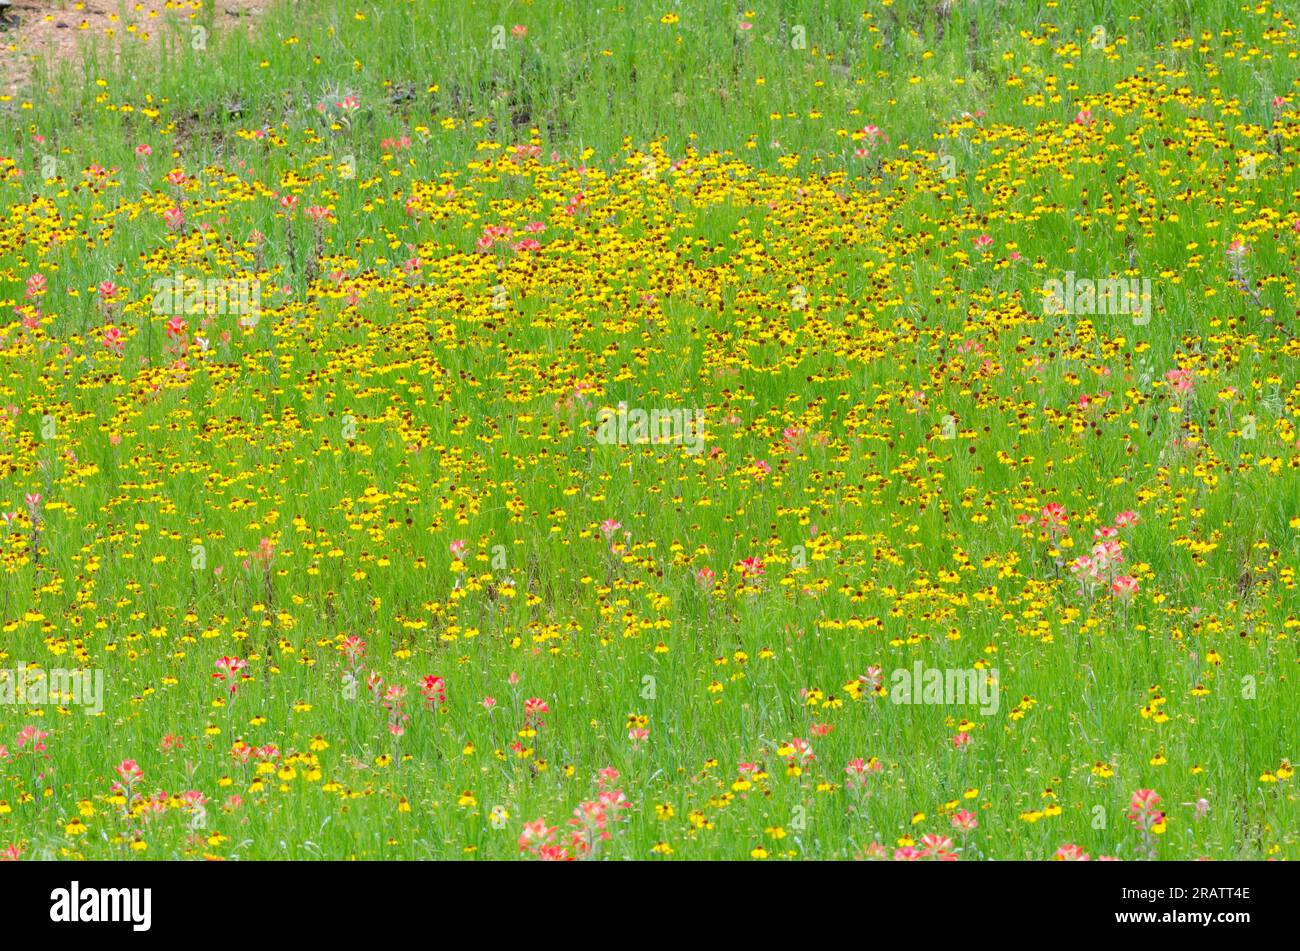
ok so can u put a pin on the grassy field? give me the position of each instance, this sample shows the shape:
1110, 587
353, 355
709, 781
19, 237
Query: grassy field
546, 430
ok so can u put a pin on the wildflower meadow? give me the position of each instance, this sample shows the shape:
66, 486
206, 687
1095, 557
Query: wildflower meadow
654, 430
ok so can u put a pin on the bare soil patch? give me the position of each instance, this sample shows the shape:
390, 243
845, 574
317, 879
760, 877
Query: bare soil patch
54, 31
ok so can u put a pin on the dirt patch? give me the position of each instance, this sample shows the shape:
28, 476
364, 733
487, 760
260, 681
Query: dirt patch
53, 31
